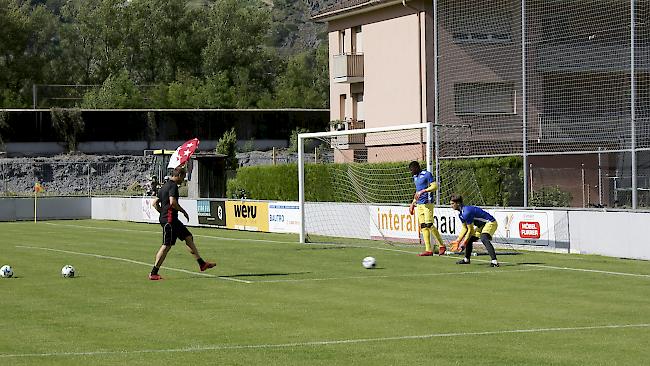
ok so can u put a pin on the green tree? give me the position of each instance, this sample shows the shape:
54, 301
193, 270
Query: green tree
227, 145
237, 31
302, 85
69, 124
117, 91
27, 44
161, 44
80, 40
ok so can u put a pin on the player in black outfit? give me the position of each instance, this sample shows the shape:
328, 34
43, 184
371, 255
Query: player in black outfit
167, 204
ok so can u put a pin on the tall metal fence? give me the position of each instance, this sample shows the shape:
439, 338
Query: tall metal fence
563, 84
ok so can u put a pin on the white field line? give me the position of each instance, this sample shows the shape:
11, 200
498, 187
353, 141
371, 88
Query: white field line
131, 261
217, 347
377, 248
233, 239
404, 275
590, 270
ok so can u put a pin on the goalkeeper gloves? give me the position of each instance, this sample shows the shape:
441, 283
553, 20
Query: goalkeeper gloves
457, 245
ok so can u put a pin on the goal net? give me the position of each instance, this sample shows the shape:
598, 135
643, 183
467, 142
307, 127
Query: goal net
357, 185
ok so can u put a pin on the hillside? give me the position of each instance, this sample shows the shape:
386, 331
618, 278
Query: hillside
295, 31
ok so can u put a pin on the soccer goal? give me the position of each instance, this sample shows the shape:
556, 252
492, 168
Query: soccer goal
355, 184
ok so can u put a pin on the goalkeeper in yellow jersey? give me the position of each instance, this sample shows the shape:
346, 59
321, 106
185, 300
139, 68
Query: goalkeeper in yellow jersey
425, 185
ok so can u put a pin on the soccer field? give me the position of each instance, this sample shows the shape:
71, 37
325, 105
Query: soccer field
272, 301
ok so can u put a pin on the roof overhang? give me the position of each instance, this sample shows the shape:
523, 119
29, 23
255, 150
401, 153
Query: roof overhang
371, 5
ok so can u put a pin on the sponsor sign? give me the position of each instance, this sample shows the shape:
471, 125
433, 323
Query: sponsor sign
211, 212
245, 215
523, 227
395, 223
284, 217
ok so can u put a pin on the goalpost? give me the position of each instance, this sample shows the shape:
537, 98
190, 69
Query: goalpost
351, 147
355, 183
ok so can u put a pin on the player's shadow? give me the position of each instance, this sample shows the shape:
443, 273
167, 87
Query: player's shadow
528, 263
273, 274
322, 248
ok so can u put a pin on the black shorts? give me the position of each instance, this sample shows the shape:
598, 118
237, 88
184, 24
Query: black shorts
174, 230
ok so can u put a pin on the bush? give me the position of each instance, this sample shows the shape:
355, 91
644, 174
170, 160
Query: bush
293, 139
550, 197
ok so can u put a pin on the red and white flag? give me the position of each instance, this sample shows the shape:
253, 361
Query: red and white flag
183, 153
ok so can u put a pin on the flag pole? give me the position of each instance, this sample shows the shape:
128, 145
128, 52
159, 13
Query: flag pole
35, 198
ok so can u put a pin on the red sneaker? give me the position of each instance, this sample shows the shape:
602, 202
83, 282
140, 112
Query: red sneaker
442, 250
425, 254
155, 277
207, 265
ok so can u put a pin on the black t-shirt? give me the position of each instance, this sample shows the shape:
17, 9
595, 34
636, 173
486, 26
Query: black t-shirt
167, 212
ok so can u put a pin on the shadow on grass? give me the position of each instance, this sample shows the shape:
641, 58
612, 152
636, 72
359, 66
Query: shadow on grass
264, 274
322, 248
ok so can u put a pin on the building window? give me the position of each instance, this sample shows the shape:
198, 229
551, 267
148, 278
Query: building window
342, 42
484, 98
483, 22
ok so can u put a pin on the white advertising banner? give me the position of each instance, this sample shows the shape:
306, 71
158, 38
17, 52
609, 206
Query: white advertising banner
284, 217
395, 223
514, 227
524, 227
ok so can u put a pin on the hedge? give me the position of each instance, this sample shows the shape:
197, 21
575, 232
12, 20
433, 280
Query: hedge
499, 181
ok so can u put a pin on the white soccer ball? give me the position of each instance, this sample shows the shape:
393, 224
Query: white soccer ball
6, 271
67, 271
369, 262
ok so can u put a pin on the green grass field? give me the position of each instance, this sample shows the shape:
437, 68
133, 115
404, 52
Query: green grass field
272, 301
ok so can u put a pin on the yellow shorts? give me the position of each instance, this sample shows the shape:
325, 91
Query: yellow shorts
489, 228
425, 213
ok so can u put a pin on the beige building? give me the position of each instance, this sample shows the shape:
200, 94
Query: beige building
577, 87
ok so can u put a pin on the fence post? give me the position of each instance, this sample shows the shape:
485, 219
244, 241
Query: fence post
583, 185
600, 177
88, 180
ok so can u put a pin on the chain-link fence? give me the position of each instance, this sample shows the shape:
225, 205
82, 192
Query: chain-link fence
563, 84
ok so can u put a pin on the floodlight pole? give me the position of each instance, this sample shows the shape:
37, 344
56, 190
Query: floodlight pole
633, 101
524, 110
436, 98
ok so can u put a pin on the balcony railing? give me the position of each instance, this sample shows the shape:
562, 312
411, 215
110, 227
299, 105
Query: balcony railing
348, 68
350, 141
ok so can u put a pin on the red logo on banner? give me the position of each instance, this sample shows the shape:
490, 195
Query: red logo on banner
529, 230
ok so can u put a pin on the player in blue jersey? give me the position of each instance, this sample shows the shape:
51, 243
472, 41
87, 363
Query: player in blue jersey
425, 185
477, 224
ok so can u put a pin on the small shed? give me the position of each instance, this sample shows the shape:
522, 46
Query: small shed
207, 175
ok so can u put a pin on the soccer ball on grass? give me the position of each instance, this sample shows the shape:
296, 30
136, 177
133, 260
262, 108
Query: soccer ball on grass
369, 262
6, 271
67, 271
